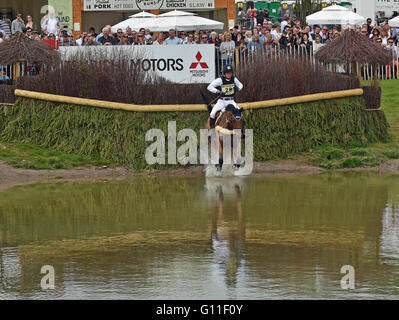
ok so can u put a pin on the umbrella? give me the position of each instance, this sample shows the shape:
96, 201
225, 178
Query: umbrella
185, 21
136, 21
335, 14
394, 23
143, 14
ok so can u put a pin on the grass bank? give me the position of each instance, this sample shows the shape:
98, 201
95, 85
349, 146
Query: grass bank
356, 154
118, 137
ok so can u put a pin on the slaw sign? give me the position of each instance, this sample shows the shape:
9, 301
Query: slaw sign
107, 5
176, 63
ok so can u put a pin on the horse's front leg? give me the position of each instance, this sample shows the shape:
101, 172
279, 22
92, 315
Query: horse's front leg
220, 165
237, 150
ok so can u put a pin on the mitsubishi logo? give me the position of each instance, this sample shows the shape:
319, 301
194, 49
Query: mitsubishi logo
194, 65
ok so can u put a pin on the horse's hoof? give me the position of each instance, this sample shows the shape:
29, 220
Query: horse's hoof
237, 166
218, 168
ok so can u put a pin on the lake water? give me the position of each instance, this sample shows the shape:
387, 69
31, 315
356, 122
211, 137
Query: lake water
256, 237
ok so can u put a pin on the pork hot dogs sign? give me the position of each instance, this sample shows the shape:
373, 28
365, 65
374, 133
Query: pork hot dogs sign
114, 5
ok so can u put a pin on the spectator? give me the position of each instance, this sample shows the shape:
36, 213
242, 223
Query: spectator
204, 39
324, 34
119, 36
189, 39
91, 40
375, 33
214, 39
369, 26
240, 16
92, 31
140, 39
260, 18
66, 40
317, 44
306, 43
148, 38
330, 36
29, 23
172, 39
285, 22
255, 44
316, 32
106, 38
102, 33
394, 48
284, 41
227, 48
3, 75
29, 32
280, 14
384, 37
182, 35
124, 40
18, 24
81, 40
276, 33
161, 39
5, 24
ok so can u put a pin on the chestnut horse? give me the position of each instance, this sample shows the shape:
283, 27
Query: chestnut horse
227, 120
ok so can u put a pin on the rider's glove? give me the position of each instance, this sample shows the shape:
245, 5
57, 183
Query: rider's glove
221, 94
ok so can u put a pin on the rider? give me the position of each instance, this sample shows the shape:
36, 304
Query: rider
226, 87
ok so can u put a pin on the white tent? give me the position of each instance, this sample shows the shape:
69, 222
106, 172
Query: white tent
136, 22
394, 23
179, 20
185, 21
335, 14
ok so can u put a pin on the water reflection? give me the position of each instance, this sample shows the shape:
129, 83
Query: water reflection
227, 225
203, 238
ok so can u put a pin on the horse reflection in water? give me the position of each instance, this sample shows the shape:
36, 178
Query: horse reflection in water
227, 225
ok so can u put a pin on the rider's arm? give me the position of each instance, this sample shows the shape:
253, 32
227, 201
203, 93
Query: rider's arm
238, 84
214, 84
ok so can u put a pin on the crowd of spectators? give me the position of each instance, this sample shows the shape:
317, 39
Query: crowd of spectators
256, 30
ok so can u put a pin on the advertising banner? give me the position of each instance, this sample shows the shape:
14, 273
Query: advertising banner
63, 12
176, 63
387, 5
144, 5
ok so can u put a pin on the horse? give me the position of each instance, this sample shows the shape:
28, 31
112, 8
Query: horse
227, 121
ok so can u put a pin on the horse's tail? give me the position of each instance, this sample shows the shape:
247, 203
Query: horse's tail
206, 100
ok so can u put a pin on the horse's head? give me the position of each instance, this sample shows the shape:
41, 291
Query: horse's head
233, 117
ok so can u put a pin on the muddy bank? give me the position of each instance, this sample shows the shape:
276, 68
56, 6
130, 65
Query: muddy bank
10, 176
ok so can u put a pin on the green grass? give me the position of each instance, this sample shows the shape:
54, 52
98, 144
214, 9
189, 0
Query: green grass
33, 157
390, 104
357, 154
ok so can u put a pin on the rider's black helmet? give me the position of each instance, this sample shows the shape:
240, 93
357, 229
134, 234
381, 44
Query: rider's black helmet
228, 68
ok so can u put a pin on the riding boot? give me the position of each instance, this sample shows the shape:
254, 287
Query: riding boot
212, 123
243, 130
211, 128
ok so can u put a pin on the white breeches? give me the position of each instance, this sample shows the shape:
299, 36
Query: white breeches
220, 105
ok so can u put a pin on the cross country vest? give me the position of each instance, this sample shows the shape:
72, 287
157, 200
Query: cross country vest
228, 87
